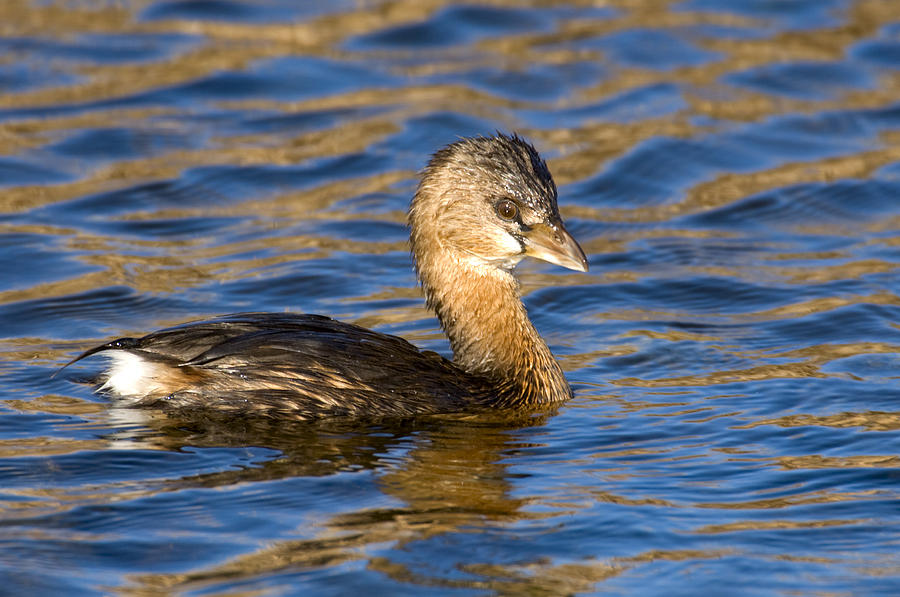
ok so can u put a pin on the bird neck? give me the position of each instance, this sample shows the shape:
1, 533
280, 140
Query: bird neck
490, 333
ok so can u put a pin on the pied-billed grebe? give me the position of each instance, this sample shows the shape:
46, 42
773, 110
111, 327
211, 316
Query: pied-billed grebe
481, 206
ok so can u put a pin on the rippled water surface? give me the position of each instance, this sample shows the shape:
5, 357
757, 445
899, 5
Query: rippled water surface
732, 170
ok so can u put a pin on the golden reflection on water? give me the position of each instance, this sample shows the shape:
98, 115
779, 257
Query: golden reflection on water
451, 482
871, 421
451, 479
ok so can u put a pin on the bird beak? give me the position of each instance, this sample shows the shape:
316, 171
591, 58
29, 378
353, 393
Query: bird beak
551, 242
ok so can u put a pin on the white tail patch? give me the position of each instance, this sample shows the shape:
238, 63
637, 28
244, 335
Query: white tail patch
133, 377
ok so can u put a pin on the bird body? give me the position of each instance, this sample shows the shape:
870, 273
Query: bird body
482, 205
292, 365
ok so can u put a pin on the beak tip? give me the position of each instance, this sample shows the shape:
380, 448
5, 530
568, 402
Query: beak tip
580, 264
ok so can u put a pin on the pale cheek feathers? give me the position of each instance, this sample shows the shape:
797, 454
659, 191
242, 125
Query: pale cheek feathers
509, 245
491, 245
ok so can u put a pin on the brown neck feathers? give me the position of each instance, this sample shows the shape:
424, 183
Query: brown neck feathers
479, 307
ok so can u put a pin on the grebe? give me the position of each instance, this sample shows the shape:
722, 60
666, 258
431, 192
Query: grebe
482, 205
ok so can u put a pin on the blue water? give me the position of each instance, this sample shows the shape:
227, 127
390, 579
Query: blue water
732, 170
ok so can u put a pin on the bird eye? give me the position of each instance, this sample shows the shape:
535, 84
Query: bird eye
507, 209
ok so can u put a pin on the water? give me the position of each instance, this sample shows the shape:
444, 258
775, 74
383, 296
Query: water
732, 170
